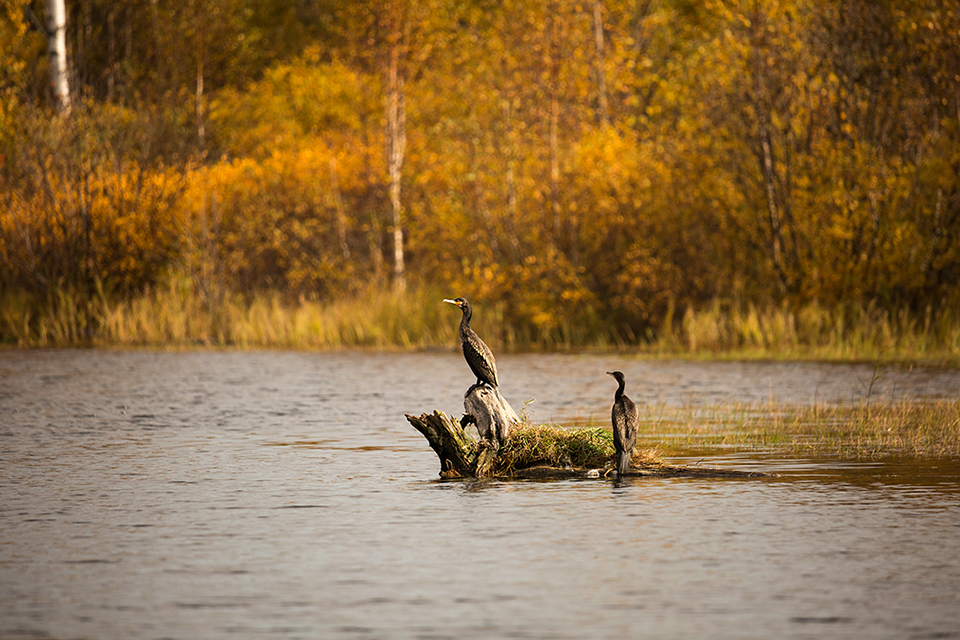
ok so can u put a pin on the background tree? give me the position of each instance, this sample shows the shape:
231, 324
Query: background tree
57, 50
589, 170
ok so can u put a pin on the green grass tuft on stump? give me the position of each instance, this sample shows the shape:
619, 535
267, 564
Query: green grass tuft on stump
533, 445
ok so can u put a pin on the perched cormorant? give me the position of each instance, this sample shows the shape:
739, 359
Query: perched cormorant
626, 421
476, 353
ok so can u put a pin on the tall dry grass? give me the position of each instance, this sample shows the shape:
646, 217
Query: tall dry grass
866, 428
64, 318
180, 314
382, 319
866, 333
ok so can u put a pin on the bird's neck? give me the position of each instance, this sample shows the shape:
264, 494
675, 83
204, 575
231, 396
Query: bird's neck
619, 394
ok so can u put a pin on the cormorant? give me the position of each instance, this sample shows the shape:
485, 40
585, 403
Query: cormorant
476, 353
626, 421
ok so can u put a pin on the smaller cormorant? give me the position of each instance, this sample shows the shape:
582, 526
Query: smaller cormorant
626, 421
476, 353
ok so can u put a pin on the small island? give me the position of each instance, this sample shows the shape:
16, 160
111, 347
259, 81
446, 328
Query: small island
510, 448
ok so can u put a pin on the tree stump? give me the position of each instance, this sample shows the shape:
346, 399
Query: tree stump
458, 456
493, 416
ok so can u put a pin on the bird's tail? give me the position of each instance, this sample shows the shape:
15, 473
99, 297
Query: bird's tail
623, 463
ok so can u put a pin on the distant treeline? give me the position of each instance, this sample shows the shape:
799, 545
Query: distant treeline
591, 169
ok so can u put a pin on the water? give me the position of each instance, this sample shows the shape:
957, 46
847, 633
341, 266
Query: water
283, 495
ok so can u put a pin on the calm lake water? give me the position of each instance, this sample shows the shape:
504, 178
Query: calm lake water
284, 495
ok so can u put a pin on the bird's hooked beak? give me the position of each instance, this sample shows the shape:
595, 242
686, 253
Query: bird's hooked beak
609, 373
451, 301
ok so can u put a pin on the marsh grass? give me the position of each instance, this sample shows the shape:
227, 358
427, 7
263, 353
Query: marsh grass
180, 314
555, 446
64, 319
864, 429
851, 332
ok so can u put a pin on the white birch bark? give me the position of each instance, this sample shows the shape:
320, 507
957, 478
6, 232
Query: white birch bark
57, 50
396, 144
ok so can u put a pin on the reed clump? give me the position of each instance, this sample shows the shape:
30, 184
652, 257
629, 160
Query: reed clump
918, 428
864, 429
531, 445
183, 312
179, 315
847, 332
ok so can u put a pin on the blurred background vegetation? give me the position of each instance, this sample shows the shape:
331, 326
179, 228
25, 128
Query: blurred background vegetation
780, 177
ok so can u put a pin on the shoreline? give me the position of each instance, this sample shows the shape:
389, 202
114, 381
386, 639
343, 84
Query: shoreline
176, 317
650, 353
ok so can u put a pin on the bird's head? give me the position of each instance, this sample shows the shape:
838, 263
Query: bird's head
617, 375
460, 302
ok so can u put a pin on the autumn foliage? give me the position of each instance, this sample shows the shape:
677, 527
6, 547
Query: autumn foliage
588, 171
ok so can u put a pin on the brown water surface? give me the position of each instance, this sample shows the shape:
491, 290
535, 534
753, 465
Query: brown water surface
283, 495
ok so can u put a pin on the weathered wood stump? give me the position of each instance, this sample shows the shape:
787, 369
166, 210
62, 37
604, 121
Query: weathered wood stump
459, 455
493, 416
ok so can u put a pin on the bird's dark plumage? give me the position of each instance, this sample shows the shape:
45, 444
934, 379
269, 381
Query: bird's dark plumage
626, 422
476, 353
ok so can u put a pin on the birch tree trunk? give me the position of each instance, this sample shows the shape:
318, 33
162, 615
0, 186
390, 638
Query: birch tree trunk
396, 146
341, 210
201, 129
554, 137
57, 50
601, 62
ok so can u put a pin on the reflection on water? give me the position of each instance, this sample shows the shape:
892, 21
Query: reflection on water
283, 495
